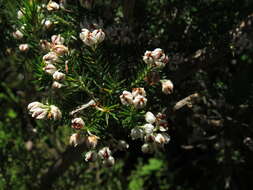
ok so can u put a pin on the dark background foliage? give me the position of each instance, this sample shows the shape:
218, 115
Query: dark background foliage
209, 43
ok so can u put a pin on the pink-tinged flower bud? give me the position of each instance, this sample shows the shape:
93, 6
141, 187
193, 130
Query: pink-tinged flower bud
45, 45
109, 162
147, 148
56, 84
148, 128
50, 57
23, 47
54, 113
92, 141
138, 91
39, 113
58, 75
126, 98
60, 49
20, 14
137, 133
150, 118
87, 37
75, 139
139, 102
91, 156
18, 34
147, 58
162, 138
57, 39
77, 123
52, 6
99, 35
122, 145
104, 153
47, 24
167, 86
50, 69
34, 105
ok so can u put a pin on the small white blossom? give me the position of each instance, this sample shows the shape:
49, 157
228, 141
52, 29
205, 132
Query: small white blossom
138, 91
60, 49
147, 58
139, 102
104, 153
126, 98
167, 86
59, 75
92, 141
40, 113
47, 23
18, 34
52, 6
150, 118
75, 139
56, 84
156, 58
50, 69
110, 161
34, 105
147, 148
137, 133
23, 47
57, 39
20, 14
162, 138
50, 57
54, 113
91, 156
99, 35
77, 123
148, 128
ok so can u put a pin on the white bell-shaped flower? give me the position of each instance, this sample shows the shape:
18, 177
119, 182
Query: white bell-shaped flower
59, 75
150, 118
139, 102
91, 156
126, 98
77, 123
167, 86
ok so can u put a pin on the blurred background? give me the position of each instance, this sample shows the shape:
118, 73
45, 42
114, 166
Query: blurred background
210, 46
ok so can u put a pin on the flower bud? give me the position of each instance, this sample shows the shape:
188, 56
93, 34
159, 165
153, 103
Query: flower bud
60, 49
110, 161
137, 133
18, 34
148, 128
139, 102
23, 47
126, 98
57, 39
50, 57
91, 156
147, 58
87, 37
47, 24
54, 113
150, 118
39, 113
56, 84
147, 148
138, 91
34, 105
162, 138
52, 6
104, 153
92, 141
50, 69
20, 14
99, 35
58, 75
45, 45
77, 123
75, 139
167, 86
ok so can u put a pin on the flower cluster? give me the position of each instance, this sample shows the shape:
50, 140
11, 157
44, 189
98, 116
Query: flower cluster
92, 38
57, 49
152, 133
42, 111
156, 58
137, 98
105, 154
